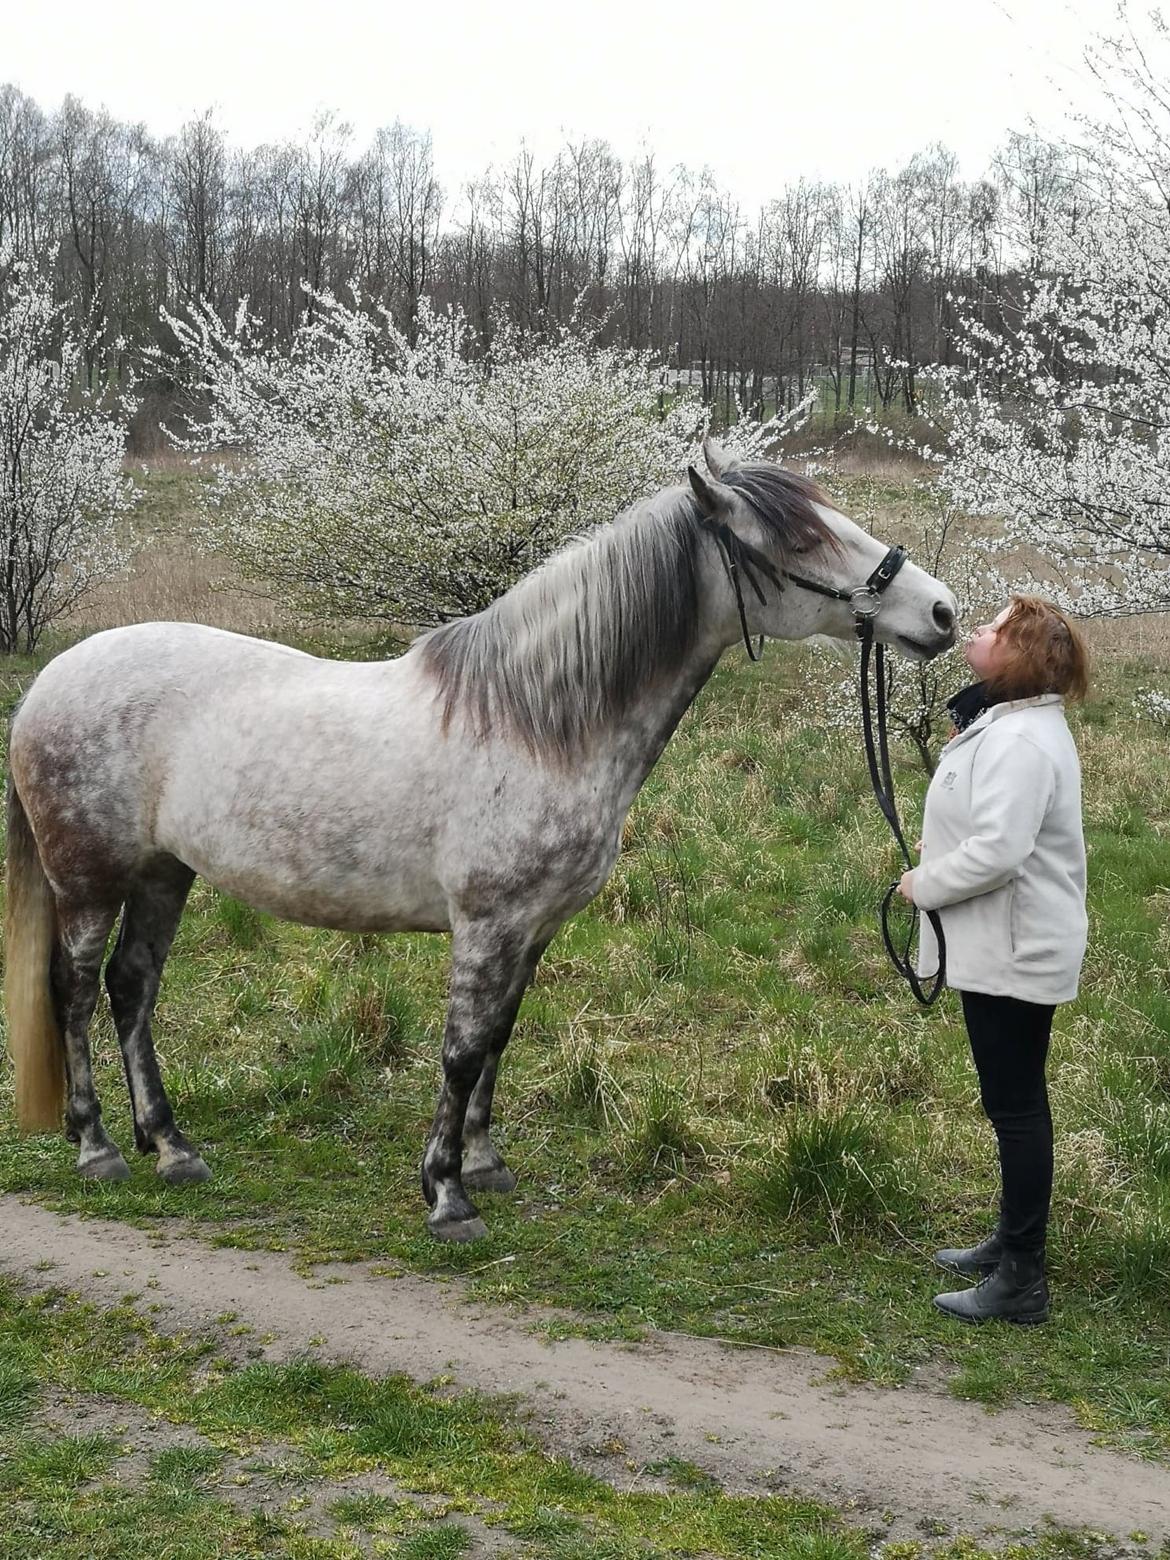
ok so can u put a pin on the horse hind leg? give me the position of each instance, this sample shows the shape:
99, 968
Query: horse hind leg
83, 930
154, 906
490, 967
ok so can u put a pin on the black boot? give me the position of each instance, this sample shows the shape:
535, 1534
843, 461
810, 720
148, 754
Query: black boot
1017, 1291
973, 1260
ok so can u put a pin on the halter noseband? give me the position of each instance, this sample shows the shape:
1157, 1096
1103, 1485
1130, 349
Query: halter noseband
865, 601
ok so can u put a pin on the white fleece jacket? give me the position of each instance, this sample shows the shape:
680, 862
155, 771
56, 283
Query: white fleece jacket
1003, 855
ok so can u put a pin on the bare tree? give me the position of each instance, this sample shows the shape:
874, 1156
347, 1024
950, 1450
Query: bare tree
198, 176
28, 196
821, 283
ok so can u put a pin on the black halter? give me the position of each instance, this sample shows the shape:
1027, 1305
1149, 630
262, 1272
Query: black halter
741, 559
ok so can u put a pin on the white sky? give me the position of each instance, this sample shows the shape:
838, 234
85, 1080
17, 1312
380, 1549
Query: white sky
760, 92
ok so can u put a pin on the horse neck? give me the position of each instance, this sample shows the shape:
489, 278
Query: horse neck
644, 729
558, 658
649, 725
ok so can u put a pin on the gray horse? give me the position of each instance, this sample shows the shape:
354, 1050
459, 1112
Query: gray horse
478, 785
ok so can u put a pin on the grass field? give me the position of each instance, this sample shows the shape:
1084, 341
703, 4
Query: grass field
727, 1116
321, 1464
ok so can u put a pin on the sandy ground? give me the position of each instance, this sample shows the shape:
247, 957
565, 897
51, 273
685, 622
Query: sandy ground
758, 1420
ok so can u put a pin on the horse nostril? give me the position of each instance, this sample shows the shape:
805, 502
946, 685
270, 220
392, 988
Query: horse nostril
944, 616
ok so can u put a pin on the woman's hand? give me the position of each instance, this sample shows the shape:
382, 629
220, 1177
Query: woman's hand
906, 885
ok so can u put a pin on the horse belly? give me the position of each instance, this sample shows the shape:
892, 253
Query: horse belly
294, 889
319, 856
362, 908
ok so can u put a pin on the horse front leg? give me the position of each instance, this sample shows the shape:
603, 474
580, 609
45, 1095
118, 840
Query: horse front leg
490, 967
484, 1169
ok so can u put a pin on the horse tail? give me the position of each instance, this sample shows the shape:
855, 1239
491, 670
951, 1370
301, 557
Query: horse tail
30, 931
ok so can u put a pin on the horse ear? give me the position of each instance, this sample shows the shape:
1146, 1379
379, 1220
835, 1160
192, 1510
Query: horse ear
715, 500
719, 462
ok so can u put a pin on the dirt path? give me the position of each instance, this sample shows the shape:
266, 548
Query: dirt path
756, 1419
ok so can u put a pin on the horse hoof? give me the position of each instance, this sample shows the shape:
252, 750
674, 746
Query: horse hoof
109, 1166
499, 1179
460, 1230
185, 1171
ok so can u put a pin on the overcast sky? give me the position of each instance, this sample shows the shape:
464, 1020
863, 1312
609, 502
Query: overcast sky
761, 93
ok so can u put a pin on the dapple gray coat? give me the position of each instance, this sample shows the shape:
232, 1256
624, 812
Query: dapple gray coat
477, 784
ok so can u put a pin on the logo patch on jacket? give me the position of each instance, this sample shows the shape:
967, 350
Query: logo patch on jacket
949, 779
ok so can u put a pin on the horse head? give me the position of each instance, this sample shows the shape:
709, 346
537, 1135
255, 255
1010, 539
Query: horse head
809, 569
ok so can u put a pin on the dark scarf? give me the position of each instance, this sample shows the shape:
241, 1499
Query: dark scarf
968, 704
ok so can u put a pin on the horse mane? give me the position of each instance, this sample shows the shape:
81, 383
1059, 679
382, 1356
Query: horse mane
567, 650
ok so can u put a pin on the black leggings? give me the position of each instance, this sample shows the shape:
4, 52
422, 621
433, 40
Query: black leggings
1009, 1041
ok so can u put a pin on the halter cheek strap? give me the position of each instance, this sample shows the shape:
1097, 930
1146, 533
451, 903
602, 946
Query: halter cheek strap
743, 561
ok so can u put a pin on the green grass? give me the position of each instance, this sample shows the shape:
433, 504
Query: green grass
840, 1169
727, 1115
449, 1454
733, 1083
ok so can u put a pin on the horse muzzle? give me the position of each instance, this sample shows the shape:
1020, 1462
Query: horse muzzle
915, 649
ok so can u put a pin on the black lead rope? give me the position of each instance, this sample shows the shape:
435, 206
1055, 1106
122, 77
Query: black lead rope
882, 780
741, 560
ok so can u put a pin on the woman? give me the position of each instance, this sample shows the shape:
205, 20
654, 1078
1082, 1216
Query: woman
1003, 862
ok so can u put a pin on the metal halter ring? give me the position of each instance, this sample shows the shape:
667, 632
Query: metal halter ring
865, 604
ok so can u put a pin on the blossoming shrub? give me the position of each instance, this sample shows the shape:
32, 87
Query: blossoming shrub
411, 481
62, 487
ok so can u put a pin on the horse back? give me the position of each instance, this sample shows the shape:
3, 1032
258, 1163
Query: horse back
222, 750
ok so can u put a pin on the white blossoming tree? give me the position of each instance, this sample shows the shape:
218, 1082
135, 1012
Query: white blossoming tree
414, 481
60, 461
1052, 439
1060, 426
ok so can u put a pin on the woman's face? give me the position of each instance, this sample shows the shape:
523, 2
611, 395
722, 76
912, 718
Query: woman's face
981, 652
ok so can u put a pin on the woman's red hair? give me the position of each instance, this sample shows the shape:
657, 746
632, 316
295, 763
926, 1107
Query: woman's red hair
1039, 651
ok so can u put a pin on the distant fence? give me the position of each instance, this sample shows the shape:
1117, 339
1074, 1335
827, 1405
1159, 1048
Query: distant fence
866, 392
